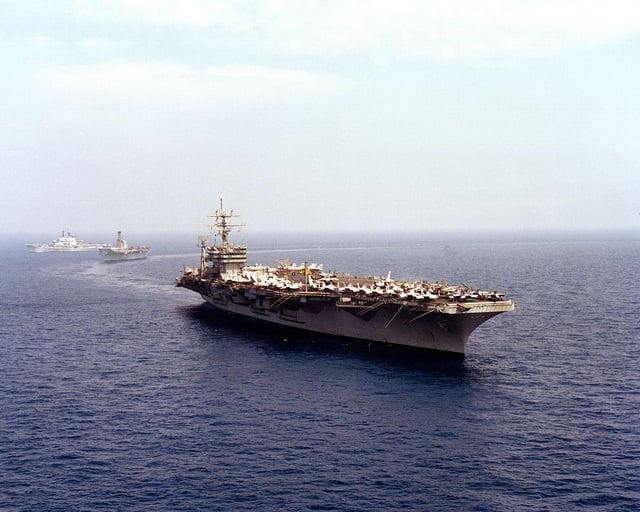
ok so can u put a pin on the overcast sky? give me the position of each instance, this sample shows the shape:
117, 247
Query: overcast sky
319, 115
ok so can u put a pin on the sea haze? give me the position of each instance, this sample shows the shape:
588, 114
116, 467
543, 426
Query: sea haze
119, 391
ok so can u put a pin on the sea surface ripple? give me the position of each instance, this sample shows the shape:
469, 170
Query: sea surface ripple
119, 391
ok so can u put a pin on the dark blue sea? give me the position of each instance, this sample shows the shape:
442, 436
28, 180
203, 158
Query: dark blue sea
118, 391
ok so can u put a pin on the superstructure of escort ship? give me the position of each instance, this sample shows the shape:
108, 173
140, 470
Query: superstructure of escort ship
66, 242
122, 251
432, 316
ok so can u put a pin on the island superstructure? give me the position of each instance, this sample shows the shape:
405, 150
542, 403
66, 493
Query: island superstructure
66, 242
421, 314
122, 251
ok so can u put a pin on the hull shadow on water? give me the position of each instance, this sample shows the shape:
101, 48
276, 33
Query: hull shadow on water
286, 339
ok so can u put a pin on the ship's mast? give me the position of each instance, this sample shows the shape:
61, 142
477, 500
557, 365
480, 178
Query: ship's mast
223, 225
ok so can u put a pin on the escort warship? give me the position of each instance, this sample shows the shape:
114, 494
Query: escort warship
66, 242
434, 316
122, 251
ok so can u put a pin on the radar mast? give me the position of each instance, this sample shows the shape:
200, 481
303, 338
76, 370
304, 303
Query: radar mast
222, 223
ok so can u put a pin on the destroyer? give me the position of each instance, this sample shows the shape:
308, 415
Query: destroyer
66, 242
411, 313
122, 251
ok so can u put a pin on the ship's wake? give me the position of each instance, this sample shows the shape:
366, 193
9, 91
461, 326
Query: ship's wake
153, 276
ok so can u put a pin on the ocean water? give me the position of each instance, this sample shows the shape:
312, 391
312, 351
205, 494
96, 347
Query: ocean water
118, 391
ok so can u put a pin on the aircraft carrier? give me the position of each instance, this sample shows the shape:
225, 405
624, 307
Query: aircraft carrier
435, 316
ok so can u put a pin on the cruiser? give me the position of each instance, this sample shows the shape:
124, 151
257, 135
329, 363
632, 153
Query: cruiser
66, 242
421, 314
122, 251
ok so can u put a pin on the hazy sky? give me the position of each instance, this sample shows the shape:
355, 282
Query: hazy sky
320, 115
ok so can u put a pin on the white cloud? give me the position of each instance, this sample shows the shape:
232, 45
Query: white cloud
140, 80
46, 46
193, 13
491, 30
99, 44
39, 43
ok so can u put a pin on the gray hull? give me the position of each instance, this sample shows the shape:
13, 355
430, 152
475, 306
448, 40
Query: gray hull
445, 327
51, 248
113, 255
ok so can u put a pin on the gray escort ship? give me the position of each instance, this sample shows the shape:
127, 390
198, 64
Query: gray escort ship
122, 251
420, 314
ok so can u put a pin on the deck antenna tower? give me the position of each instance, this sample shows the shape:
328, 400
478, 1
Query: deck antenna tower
222, 223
